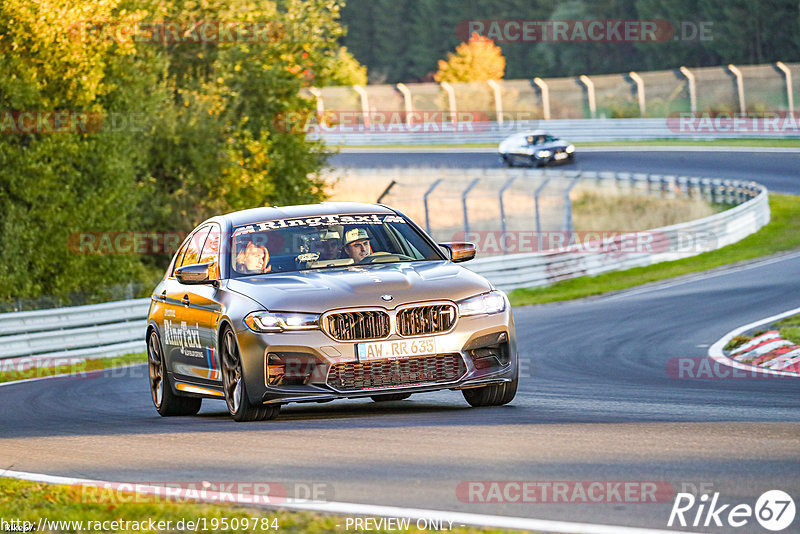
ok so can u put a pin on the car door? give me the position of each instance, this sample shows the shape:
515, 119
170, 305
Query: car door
183, 334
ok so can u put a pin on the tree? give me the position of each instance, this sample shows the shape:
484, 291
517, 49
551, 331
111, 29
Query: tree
477, 60
211, 141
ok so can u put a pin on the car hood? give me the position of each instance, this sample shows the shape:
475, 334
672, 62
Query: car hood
320, 290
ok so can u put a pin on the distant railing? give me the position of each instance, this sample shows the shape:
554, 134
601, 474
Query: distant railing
575, 130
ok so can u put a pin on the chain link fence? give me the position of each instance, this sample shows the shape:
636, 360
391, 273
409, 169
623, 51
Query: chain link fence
657, 94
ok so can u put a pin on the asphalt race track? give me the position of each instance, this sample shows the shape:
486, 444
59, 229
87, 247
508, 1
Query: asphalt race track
596, 403
779, 170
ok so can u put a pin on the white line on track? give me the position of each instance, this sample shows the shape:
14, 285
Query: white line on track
578, 150
717, 354
345, 509
697, 277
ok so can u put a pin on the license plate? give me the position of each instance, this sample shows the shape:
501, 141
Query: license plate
561, 155
404, 348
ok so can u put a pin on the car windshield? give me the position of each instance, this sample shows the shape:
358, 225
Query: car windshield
328, 241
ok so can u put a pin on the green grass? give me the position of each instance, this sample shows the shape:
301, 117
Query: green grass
736, 342
781, 234
792, 333
9, 372
793, 320
747, 142
29, 501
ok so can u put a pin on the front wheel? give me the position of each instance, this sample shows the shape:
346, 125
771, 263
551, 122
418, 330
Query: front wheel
166, 402
233, 384
494, 395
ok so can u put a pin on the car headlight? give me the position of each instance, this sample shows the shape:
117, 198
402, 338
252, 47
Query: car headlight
543, 154
264, 321
488, 303
570, 149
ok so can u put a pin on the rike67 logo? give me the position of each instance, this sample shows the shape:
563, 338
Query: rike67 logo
774, 510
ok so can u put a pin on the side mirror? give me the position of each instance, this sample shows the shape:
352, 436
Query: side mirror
193, 274
459, 251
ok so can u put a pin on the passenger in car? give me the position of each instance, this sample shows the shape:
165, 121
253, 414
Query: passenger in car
329, 245
252, 258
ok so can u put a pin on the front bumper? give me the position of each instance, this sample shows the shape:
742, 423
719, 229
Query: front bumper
298, 366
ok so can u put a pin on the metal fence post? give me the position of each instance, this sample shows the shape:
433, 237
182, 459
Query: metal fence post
540, 83
503, 211
498, 100
639, 91
451, 100
364, 105
692, 88
403, 88
464, 204
739, 87
589, 84
787, 74
425, 202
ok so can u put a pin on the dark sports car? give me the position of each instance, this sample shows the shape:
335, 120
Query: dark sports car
535, 148
314, 303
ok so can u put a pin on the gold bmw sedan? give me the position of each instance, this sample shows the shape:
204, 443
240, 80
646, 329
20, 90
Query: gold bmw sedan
313, 303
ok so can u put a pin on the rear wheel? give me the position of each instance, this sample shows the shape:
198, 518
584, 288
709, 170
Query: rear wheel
165, 401
233, 384
392, 397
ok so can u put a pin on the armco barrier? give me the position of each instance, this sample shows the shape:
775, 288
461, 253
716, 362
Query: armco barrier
98, 330
575, 130
115, 328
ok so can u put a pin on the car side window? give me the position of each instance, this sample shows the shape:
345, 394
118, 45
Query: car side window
194, 246
176, 261
210, 252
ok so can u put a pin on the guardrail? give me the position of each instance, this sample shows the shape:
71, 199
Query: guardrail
575, 130
92, 331
114, 328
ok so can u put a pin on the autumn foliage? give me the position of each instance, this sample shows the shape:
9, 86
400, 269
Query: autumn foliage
474, 61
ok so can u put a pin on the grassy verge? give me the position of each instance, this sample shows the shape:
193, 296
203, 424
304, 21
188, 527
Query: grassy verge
10, 372
747, 142
30, 501
791, 333
781, 234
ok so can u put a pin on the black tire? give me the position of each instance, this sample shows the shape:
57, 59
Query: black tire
507, 160
495, 395
234, 387
392, 397
166, 402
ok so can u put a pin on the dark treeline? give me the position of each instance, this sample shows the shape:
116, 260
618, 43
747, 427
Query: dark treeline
401, 40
